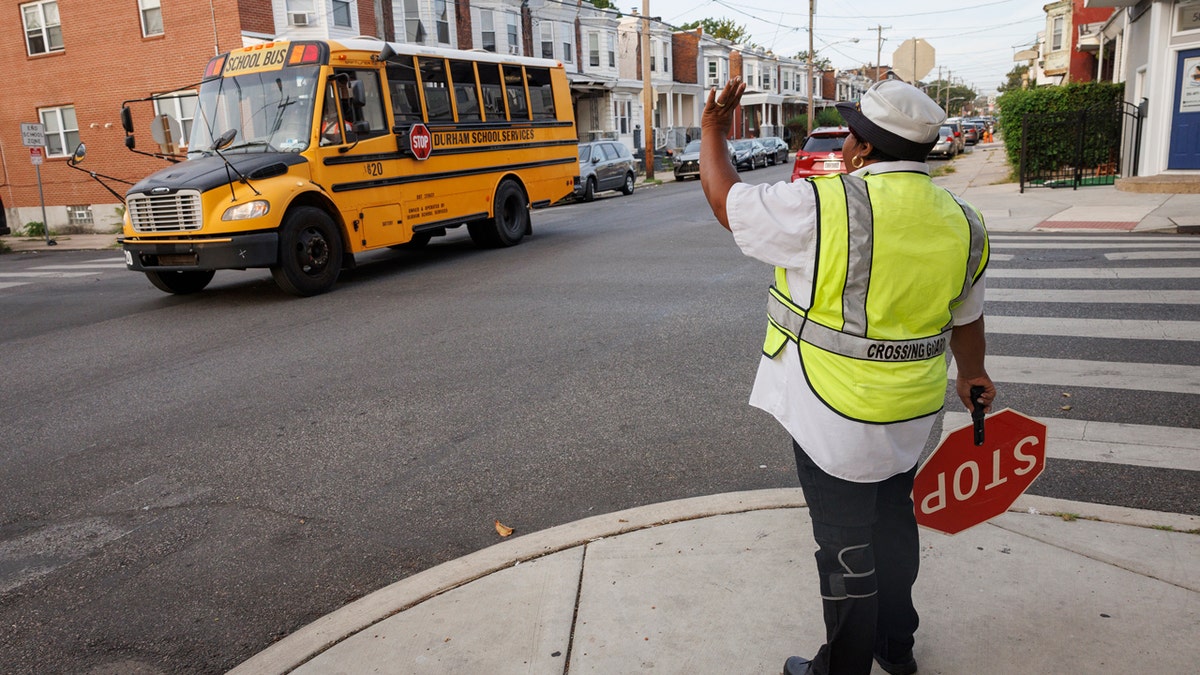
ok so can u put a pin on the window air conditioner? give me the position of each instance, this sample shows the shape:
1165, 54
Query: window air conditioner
513, 49
713, 82
298, 18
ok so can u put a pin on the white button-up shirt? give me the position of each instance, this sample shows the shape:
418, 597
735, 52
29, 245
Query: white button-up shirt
777, 224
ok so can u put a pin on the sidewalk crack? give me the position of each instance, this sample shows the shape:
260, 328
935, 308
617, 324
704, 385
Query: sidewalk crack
575, 614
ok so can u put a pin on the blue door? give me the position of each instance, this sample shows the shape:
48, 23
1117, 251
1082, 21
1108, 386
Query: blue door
1184, 151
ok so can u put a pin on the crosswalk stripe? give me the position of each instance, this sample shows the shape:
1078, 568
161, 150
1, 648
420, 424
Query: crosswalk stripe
1136, 444
1097, 273
1112, 238
12, 284
98, 265
1089, 245
1154, 255
1049, 295
1164, 377
1099, 328
48, 275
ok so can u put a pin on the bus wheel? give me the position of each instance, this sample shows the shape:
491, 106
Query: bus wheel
310, 252
627, 188
180, 283
511, 220
589, 190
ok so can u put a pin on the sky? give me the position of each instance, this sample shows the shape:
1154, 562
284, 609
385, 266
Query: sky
973, 40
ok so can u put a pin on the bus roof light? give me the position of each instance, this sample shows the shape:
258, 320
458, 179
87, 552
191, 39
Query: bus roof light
214, 66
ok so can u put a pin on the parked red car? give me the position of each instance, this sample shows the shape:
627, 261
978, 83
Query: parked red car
821, 154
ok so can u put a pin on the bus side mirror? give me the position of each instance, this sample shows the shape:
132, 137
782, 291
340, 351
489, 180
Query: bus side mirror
129, 142
127, 120
79, 154
358, 93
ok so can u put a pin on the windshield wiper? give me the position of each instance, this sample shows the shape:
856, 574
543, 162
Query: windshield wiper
252, 144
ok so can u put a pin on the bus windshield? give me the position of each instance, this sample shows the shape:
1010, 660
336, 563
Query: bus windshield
271, 112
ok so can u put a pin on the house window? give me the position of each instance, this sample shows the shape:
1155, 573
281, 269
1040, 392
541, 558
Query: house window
62, 131
442, 20
414, 29
714, 73
766, 77
612, 50
594, 50
487, 30
547, 40
341, 14
654, 57
568, 49
43, 34
151, 12
514, 44
1056, 39
181, 105
79, 214
300, 12
666, 57
622, 111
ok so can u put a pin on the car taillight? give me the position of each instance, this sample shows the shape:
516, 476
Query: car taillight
949, 139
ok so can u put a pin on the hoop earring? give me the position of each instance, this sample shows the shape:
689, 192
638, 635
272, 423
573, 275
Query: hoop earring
857, 162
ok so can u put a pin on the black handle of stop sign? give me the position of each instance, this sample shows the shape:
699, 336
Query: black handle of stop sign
977, 413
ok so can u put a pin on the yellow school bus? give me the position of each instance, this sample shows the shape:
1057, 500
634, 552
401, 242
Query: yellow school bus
304, 153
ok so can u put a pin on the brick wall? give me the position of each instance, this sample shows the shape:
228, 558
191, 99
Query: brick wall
104, 62
366, 19
256, 16
462, 21
685, 50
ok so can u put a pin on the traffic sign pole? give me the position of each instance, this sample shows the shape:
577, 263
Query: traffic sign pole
42, 199
33, 136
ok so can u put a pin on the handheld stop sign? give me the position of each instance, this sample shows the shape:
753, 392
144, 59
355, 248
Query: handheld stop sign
963, 484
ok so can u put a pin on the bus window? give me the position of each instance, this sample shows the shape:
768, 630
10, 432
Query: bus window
493, 93
437, 90
466, 98
541, 96
331, 129
514, 86
406, 100
372, 110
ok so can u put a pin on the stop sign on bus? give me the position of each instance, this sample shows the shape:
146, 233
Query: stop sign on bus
962, 485
420, 141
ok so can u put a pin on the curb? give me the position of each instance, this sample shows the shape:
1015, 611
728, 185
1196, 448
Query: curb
318, 636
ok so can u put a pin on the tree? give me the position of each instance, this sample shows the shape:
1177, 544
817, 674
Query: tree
950, 96
1016, 79
722, 29
602, 4
819, 62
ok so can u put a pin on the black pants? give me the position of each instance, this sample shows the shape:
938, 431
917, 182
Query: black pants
867, 561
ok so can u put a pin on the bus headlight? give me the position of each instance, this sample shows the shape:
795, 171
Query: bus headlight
254, 209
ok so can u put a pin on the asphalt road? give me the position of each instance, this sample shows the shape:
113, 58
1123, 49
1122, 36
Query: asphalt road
187, 479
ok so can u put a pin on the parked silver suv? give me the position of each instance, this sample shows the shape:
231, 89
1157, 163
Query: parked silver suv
604, 165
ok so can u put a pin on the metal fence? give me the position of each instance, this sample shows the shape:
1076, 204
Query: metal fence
1093, 146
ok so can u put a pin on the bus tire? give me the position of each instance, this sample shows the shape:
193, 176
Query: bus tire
310, 252
589, 190
180, 282
627, 187
510, 221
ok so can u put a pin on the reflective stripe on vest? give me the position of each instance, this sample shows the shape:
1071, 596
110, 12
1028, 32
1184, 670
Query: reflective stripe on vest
880, 365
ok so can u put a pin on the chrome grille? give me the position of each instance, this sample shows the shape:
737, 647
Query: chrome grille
179, 212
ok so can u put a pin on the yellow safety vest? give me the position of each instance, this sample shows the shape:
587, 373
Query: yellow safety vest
895, 254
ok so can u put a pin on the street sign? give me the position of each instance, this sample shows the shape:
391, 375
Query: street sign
33, 135
420, 140
35, 156
962, 485
913, 59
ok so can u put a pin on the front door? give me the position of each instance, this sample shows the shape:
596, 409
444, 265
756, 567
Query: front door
1184, 150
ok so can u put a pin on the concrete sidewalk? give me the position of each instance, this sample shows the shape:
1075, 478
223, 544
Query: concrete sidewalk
727, 584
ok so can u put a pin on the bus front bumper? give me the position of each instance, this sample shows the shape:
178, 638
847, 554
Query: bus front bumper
233, 252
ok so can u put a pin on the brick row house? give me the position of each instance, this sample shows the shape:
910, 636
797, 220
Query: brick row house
75, 61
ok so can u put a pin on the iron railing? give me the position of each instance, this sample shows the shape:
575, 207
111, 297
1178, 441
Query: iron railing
1092, 146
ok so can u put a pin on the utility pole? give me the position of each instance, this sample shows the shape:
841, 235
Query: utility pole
937, 94
812, 6
647, 93
879, 47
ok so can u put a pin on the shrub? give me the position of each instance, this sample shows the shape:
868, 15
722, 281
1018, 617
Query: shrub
1049, 148
35, 228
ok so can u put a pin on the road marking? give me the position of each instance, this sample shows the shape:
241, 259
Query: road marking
1099, 328
100, 265
1045, 295
1098, 273
1115, 238
999, 257
1135, 444
12, 284
46, 275
1064, 245
1164, 377
1154, 255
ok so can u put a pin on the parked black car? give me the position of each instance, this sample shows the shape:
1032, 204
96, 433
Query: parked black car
777, 149
749, 154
